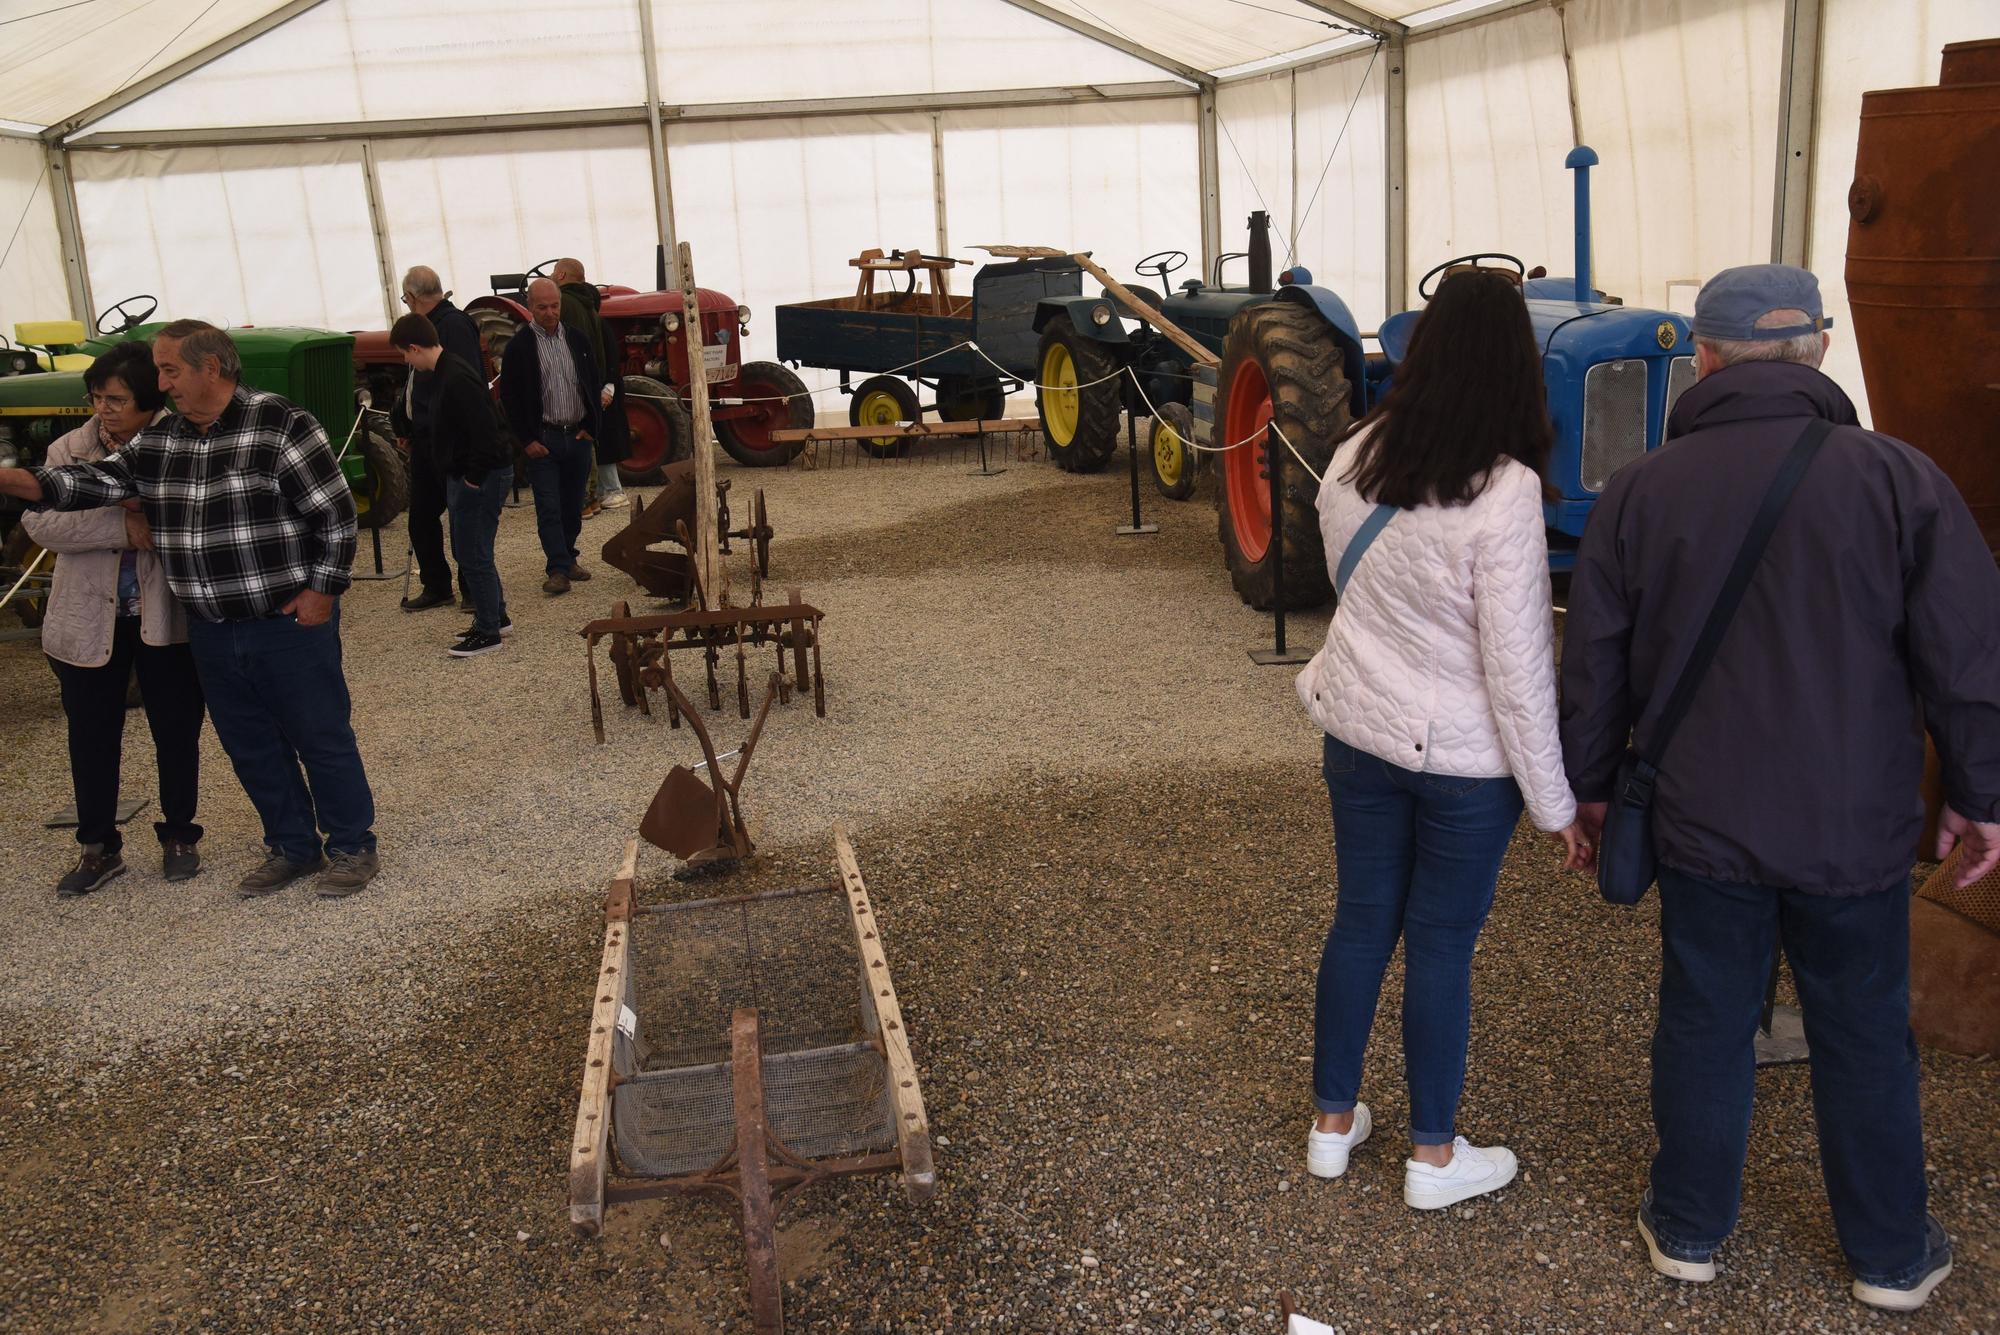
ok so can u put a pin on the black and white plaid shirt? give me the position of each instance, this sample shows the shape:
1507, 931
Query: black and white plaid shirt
243, 515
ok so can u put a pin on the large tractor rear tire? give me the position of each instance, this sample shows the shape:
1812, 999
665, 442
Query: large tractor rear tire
1079, 404
658, 429
386, 492
781, 400
30, 603
1279, 362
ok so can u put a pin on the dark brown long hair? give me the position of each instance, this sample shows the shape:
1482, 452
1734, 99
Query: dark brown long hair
1468, 394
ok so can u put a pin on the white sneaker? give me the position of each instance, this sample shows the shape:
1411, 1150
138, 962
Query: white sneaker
1327, 1151
617, 500
1473, 1171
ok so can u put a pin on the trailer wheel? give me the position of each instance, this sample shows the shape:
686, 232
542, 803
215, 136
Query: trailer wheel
883, 400
1280, 363
1176, 467
658, 429
780, 399
965, 399
1078, 402
384, 492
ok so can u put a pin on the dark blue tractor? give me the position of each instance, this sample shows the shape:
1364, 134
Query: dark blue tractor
1291, 352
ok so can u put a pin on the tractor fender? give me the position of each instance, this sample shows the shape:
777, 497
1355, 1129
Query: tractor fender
1346, 333
1079, 310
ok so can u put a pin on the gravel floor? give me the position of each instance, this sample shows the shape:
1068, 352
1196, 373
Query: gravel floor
295, 1116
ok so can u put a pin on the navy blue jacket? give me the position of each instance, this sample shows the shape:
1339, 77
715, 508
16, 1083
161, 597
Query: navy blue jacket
521, 382
1874, 615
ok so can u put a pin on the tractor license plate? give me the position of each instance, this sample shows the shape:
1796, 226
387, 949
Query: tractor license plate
715, 363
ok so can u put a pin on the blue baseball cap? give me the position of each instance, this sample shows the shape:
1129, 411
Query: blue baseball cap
1730, 304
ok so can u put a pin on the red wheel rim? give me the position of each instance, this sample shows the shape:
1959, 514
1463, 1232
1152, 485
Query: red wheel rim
769, 410
647, 439
1244, 476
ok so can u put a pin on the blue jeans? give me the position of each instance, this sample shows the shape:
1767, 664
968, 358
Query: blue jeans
559, 482
1419, 856
278, 699
1851, 959
475, 518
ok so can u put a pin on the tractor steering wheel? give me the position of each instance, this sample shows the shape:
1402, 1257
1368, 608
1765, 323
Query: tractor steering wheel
542, 270
126, 319
1427, 291
1168, 261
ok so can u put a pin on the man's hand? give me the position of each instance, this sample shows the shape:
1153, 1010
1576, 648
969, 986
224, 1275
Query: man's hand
1590, 815
312, 607
138, 533
605, 396
20, 482
534, 449
1980, 838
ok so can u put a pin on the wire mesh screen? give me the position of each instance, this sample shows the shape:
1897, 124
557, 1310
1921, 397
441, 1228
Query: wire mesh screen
1979, 901
789, 954
821, 1102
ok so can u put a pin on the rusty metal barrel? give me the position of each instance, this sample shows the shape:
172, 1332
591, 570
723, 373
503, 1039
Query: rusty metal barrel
1923, 269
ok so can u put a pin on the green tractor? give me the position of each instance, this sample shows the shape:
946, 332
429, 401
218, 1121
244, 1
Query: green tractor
42, 397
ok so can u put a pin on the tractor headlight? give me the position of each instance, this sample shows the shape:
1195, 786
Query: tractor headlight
20, 363
743, 316
363, 400
10, 454
1100, 315
670, 322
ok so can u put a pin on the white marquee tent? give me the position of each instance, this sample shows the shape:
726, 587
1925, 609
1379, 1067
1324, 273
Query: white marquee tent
257, 162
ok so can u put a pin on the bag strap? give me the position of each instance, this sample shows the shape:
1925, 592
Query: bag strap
1358, 545
1738, 582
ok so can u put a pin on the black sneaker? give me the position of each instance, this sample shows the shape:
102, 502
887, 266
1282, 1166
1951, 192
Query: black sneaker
426, 600
93, 871
506, 628
474, 643
179, 862
1670, 1258
1909, 1297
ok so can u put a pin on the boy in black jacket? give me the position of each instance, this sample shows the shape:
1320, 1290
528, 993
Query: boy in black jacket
477, 468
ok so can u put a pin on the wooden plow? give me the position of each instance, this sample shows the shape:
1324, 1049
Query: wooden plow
747, 1047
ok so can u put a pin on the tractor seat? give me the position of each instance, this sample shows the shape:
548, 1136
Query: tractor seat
66, 361
49, 333
1395, 334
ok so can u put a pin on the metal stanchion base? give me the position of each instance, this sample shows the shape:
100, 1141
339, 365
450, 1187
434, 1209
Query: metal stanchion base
128, 807
1278, 657
375, 537
1785, 1043
1131, 531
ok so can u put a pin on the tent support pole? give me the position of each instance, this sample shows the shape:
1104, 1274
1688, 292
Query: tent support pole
1798, 124
937, 183
656, 143
1211, 181
385, 264
76, 271
1395, 194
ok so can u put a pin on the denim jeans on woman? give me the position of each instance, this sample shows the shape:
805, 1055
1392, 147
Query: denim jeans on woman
475, 519
1418, 857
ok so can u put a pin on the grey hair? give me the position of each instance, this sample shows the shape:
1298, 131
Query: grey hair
201, 342
1806, 349
423, 281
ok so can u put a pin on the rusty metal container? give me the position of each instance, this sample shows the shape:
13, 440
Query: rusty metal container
1923, 269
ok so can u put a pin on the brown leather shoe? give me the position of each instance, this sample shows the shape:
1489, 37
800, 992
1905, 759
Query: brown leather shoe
93, 871
179, 862
556, 583
578, 574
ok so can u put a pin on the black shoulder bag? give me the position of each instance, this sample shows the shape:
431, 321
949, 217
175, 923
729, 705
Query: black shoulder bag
1626, 866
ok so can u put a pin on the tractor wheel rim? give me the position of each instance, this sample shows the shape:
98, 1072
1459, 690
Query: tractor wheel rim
1245, 474
1059, 394
1169, 456
771, 412
646, 426
879, 408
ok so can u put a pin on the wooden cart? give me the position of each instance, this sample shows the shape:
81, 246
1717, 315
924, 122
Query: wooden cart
749, 1047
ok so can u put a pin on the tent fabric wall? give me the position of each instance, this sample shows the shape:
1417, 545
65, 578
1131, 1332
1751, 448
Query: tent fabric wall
1343, 231
1255, 158
31, 261
471, 206
1860, 52
254, 235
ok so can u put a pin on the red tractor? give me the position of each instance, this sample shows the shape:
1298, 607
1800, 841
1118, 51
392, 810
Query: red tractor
746, 402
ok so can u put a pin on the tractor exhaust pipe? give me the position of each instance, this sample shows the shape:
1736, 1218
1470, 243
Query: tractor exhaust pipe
1260, 251
1580, 160
659, 268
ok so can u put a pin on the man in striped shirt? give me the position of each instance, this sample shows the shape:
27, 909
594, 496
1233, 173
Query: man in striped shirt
255, 527
548, 385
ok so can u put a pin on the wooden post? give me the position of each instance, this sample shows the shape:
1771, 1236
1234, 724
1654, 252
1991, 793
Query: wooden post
590, 1150
714, 575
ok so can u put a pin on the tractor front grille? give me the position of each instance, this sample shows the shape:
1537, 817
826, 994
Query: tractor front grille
1614, 419
323, 385
1680, 377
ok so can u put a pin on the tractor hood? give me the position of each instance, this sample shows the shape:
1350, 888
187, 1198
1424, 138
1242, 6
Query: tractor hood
652, 305
1590, 332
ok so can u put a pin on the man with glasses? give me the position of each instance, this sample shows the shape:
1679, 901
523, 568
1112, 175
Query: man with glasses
424, 294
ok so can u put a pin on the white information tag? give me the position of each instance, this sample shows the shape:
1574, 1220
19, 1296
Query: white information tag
628, 1022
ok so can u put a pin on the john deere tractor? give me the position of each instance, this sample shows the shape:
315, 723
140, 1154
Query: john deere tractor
1292, 354
311, 367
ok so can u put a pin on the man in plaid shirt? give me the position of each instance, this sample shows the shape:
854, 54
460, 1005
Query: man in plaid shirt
254, 525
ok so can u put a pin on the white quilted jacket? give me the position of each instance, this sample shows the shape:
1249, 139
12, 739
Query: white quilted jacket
1442, 656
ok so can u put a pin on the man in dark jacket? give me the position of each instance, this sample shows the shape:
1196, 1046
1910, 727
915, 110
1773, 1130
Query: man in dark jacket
548, 385
1787, 811
477, 468
424, 294
580, 302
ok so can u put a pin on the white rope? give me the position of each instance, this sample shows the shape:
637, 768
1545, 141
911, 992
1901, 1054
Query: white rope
1233, 445
827, 389
1033, 384
25, 574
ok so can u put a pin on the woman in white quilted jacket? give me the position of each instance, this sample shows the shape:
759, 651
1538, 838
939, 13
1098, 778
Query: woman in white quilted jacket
1437, 693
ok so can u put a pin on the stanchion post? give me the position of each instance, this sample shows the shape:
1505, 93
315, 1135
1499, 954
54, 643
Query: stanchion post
1274, 462
1136, 527
375, 537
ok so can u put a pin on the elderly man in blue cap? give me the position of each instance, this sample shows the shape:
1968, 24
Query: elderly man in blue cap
1786, 809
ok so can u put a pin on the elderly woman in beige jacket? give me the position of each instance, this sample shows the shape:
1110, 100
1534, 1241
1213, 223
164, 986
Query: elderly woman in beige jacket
110, 613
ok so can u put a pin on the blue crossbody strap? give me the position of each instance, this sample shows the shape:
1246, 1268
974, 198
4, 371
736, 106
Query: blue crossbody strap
1357, 546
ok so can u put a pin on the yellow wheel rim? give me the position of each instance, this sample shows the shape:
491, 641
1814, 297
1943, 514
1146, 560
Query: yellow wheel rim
1169, 452
879, 407
1059, 394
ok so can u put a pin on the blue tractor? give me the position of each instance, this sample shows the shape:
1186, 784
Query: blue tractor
1292, 352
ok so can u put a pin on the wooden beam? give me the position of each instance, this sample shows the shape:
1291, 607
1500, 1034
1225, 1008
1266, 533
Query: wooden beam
1179, 337
708, 565
1116, 41
906, 1097
590, 1147
917, 430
